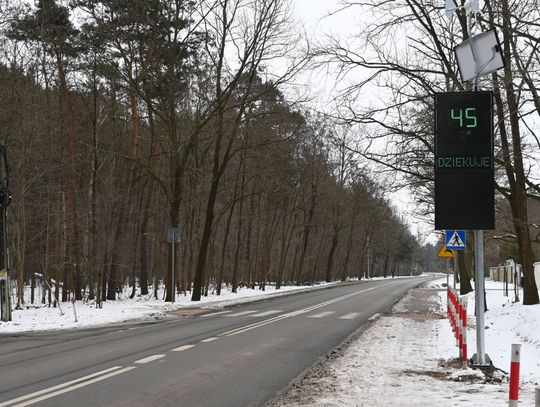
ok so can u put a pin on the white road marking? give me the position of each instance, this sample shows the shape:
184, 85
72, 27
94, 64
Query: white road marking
238, 314
321, 314
374, 317
66, 387
266, 313
149, 359
214, 338
181, 348
215, 313
249, 327
351, 315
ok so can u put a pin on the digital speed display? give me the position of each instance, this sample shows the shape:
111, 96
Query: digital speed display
462, 119
464, 170
466, 117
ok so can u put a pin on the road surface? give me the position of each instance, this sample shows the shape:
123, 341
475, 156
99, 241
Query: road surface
243, 356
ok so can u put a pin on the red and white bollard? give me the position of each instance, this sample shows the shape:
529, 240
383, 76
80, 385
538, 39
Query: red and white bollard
459, 317
455, 326
464, 331
514, 375
457, 314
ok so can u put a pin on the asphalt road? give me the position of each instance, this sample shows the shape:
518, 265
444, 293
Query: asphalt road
243, 356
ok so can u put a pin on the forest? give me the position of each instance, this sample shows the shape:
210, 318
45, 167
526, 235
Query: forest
125, 119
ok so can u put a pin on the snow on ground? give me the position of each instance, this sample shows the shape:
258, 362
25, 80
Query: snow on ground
408, 358
509, 322
38, 317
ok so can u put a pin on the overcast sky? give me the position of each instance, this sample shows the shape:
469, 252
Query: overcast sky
315, 15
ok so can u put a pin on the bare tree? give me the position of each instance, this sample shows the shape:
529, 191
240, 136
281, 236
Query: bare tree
406, 55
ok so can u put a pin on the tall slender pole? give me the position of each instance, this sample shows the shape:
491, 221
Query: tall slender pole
173, 283
447, 272
479, 296
455, 269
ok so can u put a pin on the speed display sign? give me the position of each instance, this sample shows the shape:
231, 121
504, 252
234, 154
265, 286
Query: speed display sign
464, 169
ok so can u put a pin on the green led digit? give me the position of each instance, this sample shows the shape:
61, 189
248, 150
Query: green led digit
458, 116
470, 115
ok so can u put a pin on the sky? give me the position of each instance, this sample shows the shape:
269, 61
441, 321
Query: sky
322, 18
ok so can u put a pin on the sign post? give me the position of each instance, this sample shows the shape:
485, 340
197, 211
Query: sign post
466, 118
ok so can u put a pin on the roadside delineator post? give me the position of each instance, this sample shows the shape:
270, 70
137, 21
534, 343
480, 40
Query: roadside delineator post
453, 309
464, 333
459, 314
453, 316
514, 375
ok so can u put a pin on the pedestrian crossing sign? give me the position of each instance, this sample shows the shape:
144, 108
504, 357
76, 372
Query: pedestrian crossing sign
455, 239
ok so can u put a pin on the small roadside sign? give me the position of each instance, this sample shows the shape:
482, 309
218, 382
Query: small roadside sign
444, 252
456, 239
173, 235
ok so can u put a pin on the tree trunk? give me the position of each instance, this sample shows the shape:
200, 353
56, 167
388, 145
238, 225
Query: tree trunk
330, 262
518, 188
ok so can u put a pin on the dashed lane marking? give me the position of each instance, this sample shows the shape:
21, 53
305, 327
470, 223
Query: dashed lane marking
259, 324
351, 315
149, 359
182, 348
214, 338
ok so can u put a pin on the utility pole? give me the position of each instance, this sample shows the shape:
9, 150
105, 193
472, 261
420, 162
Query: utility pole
5, 198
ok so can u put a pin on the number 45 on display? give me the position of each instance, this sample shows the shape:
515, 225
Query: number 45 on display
469, 117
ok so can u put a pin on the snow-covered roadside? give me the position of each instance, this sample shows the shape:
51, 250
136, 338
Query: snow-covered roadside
507, 323
408, 358
39, 317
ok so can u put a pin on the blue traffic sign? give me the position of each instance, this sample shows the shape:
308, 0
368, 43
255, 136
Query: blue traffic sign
456, 239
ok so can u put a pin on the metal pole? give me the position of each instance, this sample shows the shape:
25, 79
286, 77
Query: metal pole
447, 273
479, 296
173, 288
537, 397
455, 270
